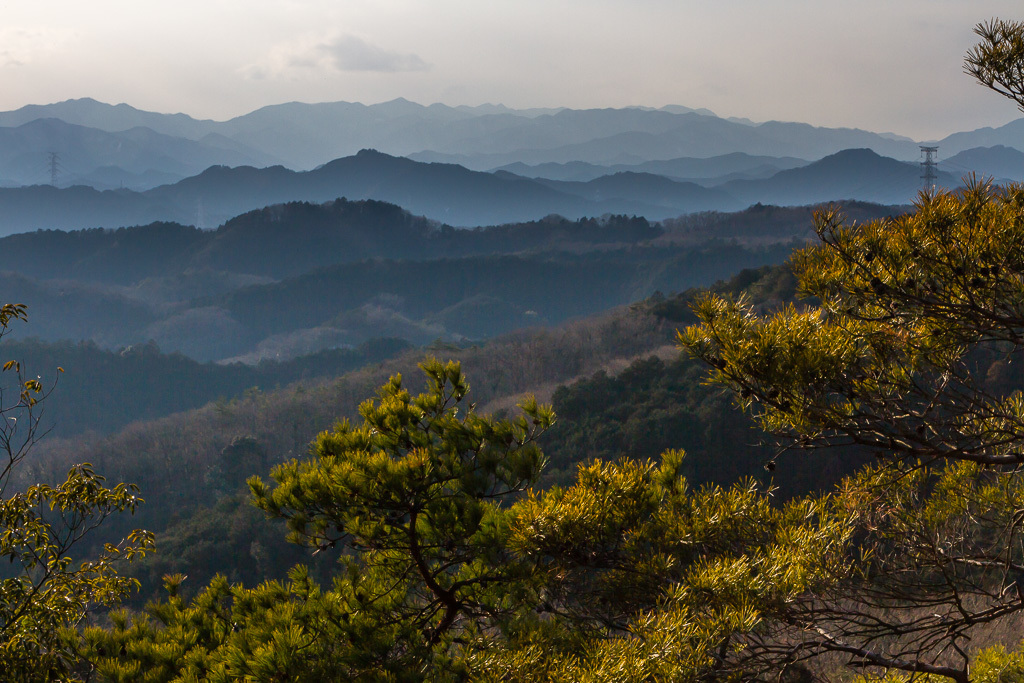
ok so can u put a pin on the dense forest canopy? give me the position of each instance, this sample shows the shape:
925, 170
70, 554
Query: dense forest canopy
294, 279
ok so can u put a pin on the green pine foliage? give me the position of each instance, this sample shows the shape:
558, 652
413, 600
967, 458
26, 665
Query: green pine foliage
450, 570
47, 588
898, 360
415, 495
639, 577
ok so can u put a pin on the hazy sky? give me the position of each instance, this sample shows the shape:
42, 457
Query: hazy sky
884, 65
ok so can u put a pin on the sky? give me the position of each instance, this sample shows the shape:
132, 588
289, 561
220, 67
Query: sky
882, 65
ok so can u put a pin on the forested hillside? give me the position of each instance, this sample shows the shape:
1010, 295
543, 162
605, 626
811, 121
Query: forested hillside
101, 391
310, 307
616, 382
293, 279
124, 289
800, 561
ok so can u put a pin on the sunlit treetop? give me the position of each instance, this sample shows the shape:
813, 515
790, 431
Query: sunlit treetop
997, 61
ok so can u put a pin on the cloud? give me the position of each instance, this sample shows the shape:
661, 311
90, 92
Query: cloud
23, 45
312, 56
350, 53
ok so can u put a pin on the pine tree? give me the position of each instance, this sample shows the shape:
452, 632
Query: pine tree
44, 593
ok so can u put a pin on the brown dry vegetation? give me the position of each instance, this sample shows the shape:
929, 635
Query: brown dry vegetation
173, 458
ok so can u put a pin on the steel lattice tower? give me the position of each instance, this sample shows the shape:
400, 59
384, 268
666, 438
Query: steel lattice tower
54, 168
928, 167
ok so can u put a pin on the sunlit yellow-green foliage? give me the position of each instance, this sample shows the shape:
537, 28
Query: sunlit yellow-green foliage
992, 665
413, 498
640, 578
903, 350
44, 592
51, 591
449, 575
997, 60
292, 631
908, 308
417, 489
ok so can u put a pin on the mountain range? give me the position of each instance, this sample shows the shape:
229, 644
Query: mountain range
110, 146
702, 170
453, 195
296, 278
135, 156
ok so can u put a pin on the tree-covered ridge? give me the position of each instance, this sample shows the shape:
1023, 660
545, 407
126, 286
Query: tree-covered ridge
205, 526
95, 379
654, 405
95, 383
553, 287
292, 279
283, 240
288, 239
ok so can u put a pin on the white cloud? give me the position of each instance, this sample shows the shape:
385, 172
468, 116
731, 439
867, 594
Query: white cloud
21, 45
311, 55
350, 53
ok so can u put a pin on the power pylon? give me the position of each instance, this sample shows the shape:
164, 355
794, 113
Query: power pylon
928, 167
55, 168
200, 215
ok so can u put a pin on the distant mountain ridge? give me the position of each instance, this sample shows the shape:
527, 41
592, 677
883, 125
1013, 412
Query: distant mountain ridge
89, 156
454, 195
666, 137
851, 174
999, 162
111, 118
303, 136
698, 169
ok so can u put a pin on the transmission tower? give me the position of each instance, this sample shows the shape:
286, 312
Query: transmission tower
55, 168
200, 215
928, 167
